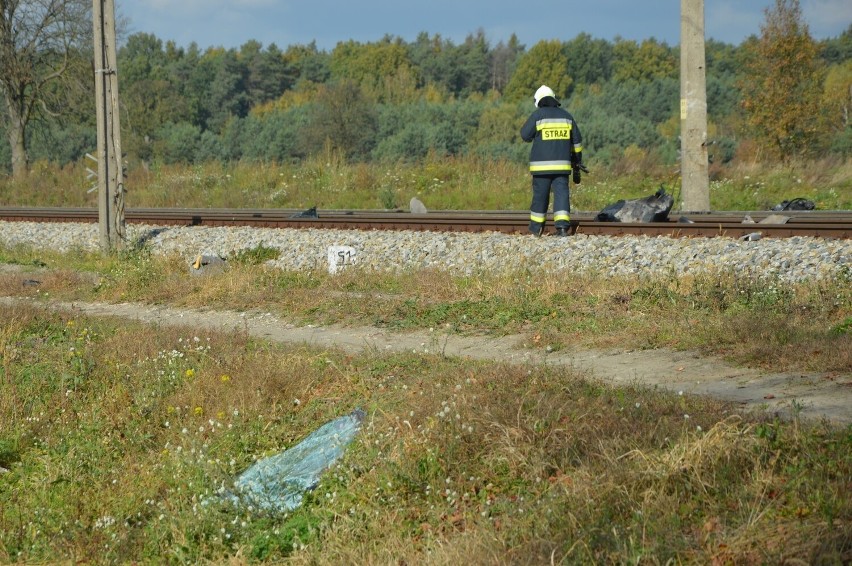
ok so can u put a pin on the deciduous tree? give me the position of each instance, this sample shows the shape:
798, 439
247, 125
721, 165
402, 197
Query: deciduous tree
838, 96
382, 69
341, 119
546, 63
837, 101
782, 85
646, 61
40, 42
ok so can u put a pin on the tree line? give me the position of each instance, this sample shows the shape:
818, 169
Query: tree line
778, 95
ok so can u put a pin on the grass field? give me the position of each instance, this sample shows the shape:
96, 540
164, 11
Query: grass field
118, 436
440, 183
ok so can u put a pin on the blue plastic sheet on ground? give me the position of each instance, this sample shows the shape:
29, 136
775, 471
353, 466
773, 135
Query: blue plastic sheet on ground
278, 483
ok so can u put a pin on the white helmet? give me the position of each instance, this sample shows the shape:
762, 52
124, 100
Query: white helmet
542, 92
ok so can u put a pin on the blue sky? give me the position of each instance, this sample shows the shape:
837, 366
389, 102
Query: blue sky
230, 23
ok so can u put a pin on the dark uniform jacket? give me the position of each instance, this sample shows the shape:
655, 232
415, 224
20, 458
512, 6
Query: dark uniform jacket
557, 142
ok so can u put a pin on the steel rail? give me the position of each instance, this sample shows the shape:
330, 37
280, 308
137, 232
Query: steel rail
826, 224
86, 213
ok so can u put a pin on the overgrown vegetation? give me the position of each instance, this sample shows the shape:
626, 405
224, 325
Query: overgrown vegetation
440, 183
117, 437
786, 327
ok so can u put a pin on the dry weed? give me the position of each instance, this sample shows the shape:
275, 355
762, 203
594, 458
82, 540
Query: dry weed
691, 464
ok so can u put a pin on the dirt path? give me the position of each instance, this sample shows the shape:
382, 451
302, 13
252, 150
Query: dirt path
814, 395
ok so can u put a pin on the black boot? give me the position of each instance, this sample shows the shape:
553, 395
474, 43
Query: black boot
562, 232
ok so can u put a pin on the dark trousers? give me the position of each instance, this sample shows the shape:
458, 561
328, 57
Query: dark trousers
541, 187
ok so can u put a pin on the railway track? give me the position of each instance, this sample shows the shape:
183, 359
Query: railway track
823, 224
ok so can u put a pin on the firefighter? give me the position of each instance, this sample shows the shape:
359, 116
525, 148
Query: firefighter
557, 148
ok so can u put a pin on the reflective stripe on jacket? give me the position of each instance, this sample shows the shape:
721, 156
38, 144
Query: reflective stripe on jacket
555, 137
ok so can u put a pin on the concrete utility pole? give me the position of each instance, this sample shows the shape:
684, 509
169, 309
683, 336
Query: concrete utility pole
110, 169
695, 185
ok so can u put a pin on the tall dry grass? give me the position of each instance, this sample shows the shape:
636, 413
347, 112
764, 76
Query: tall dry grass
457, 183
117, 436
781, 327
129, 431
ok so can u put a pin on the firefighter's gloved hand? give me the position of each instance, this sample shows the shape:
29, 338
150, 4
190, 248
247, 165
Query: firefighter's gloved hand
575, 175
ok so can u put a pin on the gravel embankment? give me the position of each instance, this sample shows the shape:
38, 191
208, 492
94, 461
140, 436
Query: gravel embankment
785, 259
